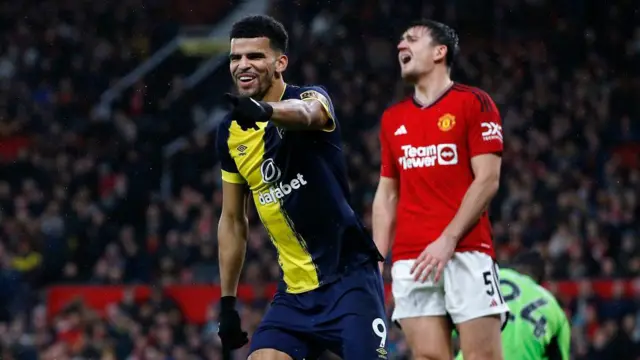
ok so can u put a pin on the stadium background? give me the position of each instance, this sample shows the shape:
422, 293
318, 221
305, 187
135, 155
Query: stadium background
109, 185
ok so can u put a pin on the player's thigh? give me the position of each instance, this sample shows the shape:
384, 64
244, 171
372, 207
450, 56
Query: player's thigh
420, 310
480, 338
474, 301
269, 343
362, 337
358, 329
282, 331
429, 337
414, 298
472, 288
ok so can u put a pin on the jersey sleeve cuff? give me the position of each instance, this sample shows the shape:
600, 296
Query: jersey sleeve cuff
389, 176
232, 177
497, 151
331, 124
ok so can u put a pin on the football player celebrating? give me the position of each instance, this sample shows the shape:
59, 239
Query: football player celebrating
281, 146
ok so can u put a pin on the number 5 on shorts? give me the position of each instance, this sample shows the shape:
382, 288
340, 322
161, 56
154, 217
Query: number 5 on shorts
380, 329
488, 280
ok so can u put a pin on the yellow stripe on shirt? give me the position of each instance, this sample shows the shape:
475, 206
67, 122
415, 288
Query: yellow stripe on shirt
299, 270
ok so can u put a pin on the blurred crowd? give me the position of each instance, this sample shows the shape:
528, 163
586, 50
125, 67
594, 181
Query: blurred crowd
80, 200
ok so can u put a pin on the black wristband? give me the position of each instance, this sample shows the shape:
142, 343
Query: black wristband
227, 303
268, 109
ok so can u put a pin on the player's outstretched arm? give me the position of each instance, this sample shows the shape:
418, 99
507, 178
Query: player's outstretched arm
313, 111
384, 213
486, 171
232, 236
299, 115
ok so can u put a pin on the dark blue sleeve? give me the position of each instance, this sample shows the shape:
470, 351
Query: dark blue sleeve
311, 93
228, 166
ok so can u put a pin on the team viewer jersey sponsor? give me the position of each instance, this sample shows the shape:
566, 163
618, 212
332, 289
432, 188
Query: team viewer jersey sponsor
538, 327
429, 150
299, 185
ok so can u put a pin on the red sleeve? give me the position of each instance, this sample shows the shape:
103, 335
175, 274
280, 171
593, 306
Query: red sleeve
388, 166
484, 134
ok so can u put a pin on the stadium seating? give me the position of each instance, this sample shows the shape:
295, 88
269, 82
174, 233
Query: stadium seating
96, 262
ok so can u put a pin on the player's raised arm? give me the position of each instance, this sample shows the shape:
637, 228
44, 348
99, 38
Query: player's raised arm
386, 199
485, 146
313, 111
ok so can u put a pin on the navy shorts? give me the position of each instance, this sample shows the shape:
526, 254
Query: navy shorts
346, 317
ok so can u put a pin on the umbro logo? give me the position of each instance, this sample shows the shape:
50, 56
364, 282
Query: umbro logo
401, 131
242, 148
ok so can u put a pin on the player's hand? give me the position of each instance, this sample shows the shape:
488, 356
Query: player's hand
247, 111
433, 258
229, 329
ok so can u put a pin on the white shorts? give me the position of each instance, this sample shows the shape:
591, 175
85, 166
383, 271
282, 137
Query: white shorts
469, 288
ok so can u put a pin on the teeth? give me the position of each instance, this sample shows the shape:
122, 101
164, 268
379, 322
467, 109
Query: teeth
246, 78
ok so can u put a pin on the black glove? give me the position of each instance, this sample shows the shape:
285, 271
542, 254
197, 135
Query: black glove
247, 111
229, 329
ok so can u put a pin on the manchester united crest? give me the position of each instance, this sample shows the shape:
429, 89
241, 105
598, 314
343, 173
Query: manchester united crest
446, 122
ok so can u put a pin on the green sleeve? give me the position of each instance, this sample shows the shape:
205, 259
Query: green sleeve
560, 346
459, 357
564, 340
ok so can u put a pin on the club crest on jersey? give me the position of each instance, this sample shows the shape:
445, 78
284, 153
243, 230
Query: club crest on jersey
270, 172
312, 94
446, 122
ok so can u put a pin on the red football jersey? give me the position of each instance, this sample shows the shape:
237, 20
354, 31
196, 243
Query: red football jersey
429, 150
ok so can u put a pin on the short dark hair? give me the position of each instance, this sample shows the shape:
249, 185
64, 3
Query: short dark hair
532, 263
442, 34
256, 26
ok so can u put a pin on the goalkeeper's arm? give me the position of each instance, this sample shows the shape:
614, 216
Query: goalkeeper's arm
232, 236
560, 346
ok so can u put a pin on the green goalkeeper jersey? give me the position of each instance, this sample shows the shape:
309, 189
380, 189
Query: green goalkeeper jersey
538, 327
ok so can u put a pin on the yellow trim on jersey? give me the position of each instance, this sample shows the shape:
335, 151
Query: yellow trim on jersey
236, 178
299, 271
311, 95
233, 178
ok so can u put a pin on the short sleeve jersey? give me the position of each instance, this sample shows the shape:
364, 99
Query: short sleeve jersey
428, 149
299, 185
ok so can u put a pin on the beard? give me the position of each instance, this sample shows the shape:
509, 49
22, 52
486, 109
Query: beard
262, 85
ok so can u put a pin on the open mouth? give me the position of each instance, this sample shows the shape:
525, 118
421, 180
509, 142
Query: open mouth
405, 58
246, 78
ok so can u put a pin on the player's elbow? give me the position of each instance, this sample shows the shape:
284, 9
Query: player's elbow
386, 198
313, 115
490, 183
232, 228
